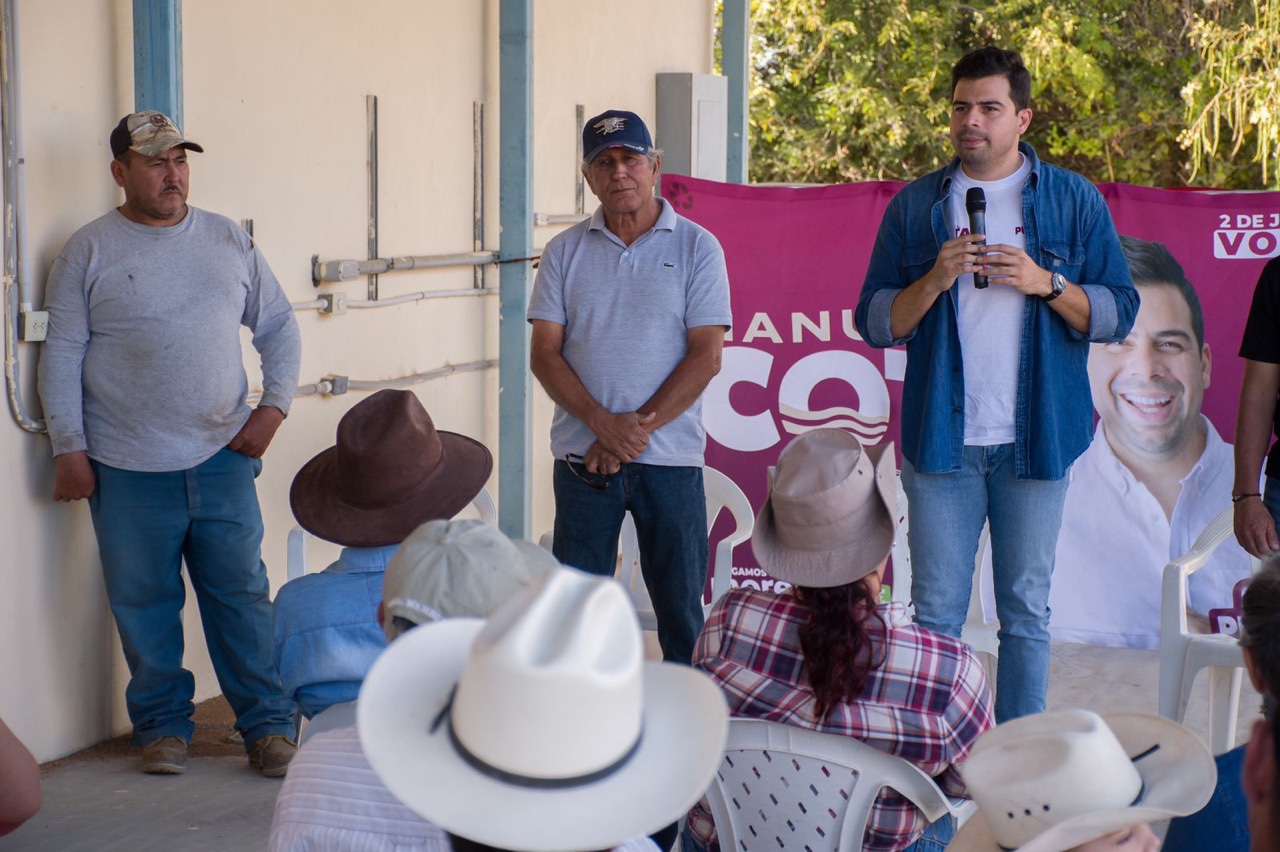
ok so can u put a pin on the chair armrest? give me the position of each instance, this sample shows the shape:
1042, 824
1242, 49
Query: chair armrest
722, 567
924, 793
1173, 589
296, 549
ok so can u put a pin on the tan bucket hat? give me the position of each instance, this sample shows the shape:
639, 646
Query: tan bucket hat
1053, 781
831, 512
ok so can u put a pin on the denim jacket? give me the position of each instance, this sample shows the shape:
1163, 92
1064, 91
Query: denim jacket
1068, 229
326, 629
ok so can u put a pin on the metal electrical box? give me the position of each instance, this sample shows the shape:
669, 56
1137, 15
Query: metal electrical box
693, 119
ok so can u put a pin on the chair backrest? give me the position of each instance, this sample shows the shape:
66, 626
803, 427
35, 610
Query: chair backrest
722, 493
1173, 592
783, 787
1183, 653
296, 548
629, 572
485, 507
900, 588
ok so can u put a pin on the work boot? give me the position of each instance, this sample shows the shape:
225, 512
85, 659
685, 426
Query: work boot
165, 756
271, 754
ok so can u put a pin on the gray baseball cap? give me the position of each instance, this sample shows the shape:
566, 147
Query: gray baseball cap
458, 569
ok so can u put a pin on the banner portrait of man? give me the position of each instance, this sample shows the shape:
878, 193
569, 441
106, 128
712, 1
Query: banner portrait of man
1156, 473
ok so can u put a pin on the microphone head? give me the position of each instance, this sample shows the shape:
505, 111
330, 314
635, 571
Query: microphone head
975, 199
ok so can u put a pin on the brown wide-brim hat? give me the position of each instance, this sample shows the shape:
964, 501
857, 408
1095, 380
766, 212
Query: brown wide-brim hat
390, 471
831, 512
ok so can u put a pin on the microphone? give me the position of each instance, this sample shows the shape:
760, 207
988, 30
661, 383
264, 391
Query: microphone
975, 201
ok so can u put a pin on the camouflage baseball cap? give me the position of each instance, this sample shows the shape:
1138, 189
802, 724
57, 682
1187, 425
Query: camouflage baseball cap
150, 133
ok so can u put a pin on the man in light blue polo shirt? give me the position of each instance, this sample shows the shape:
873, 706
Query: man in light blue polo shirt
629, 313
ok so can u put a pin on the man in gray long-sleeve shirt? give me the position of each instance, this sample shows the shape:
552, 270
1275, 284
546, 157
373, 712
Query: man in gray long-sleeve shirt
144, 393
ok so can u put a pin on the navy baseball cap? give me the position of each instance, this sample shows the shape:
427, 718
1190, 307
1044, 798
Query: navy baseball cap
615, 128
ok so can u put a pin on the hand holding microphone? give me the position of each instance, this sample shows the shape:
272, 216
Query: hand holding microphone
975, 201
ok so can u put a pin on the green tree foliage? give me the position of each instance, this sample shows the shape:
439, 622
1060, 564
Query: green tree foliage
1236, 94
853, 90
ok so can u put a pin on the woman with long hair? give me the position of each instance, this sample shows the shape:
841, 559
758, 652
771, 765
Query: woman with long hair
826, 654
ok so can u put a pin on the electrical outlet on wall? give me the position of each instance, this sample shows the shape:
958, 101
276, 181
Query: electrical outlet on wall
35, 326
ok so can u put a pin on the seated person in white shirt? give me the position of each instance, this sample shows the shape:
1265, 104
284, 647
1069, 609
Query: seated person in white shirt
331, 799
542, 728
390, 471
1155, 475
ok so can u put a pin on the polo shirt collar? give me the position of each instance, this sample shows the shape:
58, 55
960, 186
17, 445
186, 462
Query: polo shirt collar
666, 218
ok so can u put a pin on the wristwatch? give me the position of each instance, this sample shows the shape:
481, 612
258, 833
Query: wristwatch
1059, 284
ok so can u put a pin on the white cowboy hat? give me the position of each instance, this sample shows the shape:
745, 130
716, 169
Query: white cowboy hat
542, 728
831, 512
1053, 781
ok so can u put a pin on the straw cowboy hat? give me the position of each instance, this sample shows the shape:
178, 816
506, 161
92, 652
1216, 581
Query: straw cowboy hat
390, 471
1053, 781
831, 512
542, 728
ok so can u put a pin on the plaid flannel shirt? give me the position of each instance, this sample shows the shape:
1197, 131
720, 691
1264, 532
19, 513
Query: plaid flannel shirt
927, 703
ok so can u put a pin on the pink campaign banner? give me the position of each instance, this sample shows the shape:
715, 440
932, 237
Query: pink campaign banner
794, 361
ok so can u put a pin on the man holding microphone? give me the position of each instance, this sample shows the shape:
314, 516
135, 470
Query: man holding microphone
996, 402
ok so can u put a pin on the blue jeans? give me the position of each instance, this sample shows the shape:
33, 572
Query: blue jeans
936, 836
1222, 824
670, 512
149, 523
946, 512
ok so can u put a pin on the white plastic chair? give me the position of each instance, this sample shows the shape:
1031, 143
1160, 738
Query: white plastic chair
982, 636
900, 589
722, 494
1183, 653
296, 548
783, 787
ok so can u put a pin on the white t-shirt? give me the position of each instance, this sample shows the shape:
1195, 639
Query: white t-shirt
990, 320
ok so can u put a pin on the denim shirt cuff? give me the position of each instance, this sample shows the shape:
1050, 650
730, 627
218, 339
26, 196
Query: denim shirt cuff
1104, 319
880, 320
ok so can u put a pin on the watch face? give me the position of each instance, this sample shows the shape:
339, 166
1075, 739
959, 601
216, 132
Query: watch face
1059, 283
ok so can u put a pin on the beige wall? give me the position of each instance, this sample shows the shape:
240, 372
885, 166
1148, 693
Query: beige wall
275, 91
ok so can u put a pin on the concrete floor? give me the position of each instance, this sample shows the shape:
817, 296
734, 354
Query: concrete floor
97, 800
